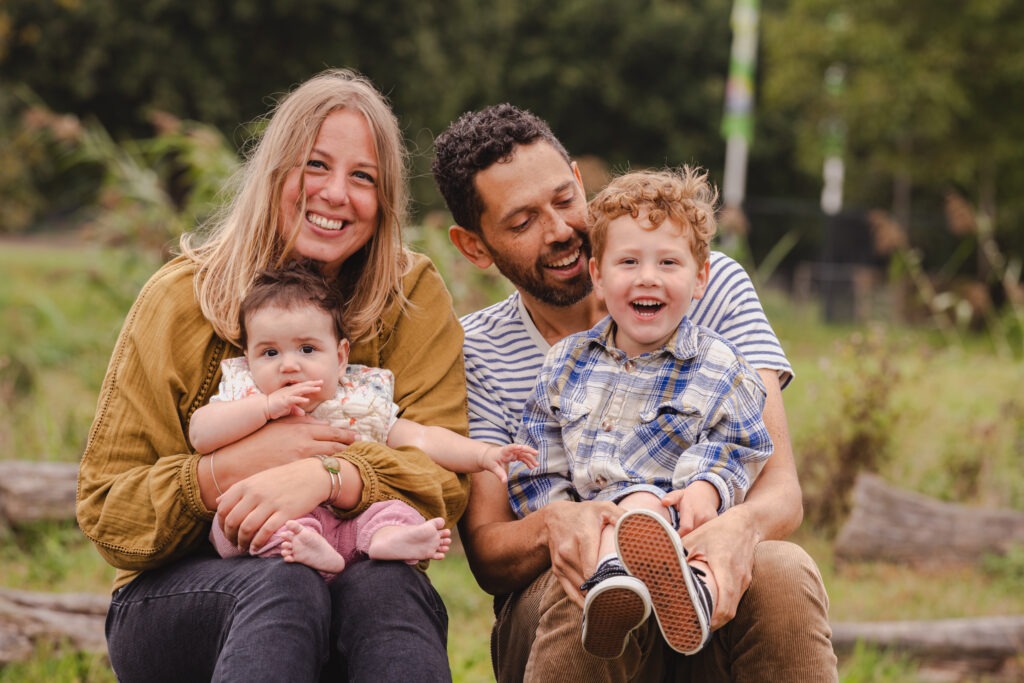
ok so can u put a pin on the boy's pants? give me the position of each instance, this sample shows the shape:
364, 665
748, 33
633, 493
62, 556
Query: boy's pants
780, 633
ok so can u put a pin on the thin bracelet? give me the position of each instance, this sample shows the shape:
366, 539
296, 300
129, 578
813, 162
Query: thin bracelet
334, 498
213, 476
335, 488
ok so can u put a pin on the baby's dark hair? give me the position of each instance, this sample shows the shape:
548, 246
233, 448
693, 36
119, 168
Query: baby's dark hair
476, 141
293, 286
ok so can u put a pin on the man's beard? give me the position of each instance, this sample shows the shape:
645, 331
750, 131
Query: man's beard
532, 281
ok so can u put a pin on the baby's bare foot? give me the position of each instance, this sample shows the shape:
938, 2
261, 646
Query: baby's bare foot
426, 541
305, 546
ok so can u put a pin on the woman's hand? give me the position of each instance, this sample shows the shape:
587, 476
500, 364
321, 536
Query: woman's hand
293, 438
254, 508
278, 443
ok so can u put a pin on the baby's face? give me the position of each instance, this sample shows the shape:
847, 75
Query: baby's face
647, 279
287, 346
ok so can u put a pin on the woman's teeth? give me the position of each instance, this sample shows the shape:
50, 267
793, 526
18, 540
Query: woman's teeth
325, 223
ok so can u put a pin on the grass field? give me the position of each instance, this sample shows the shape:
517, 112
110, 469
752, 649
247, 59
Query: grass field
947, 421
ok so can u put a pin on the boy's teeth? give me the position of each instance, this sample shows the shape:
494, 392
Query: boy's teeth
325, 223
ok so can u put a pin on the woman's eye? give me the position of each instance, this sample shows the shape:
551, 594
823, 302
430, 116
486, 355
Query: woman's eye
363, 175
316, 163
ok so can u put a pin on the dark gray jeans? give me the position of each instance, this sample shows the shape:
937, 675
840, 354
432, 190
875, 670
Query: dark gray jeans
258, 619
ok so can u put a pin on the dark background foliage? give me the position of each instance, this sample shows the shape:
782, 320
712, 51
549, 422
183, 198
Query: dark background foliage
930, 102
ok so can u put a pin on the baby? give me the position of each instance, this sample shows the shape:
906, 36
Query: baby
296, 363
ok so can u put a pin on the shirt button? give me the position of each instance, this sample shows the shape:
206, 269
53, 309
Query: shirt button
601, 481
606, 425
630, 366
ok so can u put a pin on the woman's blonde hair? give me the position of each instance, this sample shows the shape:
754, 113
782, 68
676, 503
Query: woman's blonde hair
244, 237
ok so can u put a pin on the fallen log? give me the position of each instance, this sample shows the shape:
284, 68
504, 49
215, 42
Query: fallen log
71, 621
891, 524
37, 491
982, 645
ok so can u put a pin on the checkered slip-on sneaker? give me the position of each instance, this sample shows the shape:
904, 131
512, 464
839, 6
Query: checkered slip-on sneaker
652, 552
616, 604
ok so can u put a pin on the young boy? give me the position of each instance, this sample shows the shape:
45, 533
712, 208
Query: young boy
296, 363
646, 410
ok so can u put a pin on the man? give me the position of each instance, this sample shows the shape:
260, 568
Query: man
518, 202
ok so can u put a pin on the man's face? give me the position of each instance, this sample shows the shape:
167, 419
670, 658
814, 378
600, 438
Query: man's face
534, 224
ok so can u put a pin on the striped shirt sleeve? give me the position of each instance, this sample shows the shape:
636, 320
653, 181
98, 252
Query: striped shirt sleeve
730, 306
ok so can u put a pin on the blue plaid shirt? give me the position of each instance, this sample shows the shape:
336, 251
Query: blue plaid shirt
605, 425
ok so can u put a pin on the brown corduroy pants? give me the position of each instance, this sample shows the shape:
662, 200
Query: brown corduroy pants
780, 632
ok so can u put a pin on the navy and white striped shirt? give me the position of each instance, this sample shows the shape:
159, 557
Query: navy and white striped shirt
505, 351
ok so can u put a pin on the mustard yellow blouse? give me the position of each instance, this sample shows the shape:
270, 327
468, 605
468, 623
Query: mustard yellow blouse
138, 493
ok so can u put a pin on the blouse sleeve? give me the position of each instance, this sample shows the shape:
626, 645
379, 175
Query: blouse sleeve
138, 494
422, 346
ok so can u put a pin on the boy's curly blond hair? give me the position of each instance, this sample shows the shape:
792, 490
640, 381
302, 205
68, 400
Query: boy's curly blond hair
684, 196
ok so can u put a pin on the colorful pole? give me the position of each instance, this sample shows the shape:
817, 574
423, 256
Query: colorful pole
738, 122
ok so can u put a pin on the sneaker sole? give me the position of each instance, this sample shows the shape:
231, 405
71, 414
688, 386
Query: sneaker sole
611, 616
653, 553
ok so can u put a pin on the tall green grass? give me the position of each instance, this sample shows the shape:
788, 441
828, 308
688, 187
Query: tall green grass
60, 312
953, 428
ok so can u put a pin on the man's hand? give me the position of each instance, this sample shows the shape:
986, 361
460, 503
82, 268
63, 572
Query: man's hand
727, 544
573, 536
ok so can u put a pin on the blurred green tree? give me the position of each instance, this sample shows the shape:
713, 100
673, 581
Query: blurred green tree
931, 102
637, 83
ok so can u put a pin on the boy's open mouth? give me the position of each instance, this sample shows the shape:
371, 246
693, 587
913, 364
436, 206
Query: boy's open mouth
647, 307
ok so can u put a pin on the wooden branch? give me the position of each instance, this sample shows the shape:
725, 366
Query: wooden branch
37, 491
979, 645
71, 620
891, 524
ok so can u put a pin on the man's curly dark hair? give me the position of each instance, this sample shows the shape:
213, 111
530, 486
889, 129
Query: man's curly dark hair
474, 142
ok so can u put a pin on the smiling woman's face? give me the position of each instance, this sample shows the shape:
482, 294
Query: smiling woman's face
341, 177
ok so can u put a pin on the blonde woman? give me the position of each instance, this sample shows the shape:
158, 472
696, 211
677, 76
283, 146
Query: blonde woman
326, 182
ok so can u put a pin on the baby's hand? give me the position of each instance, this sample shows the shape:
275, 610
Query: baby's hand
697, 503
288, 400
494, 458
